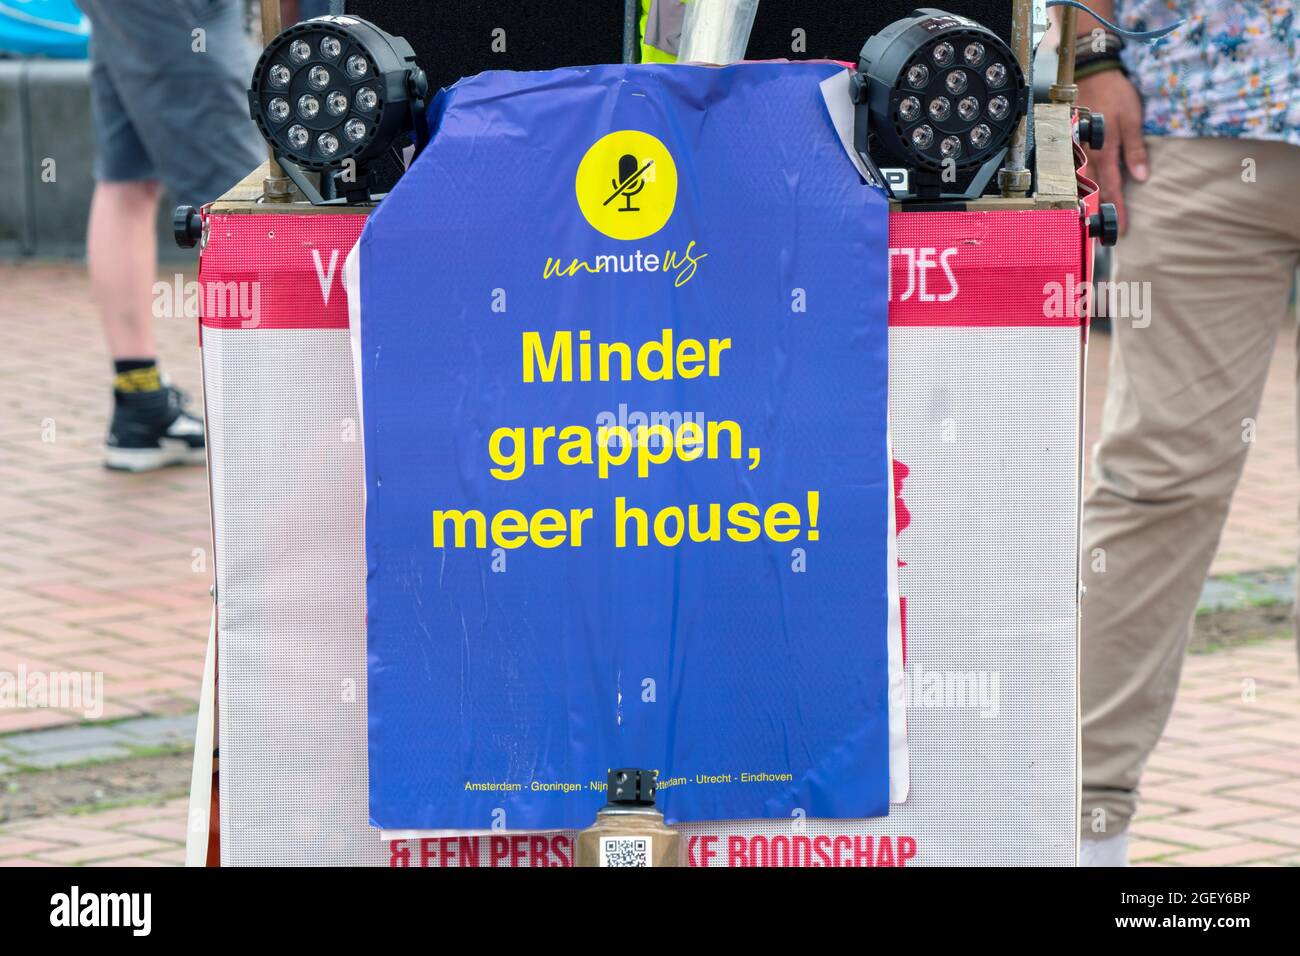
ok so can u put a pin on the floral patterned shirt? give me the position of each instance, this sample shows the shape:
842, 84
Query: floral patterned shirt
1231, 70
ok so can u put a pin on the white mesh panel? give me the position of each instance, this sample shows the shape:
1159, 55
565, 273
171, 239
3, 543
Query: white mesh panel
288, 496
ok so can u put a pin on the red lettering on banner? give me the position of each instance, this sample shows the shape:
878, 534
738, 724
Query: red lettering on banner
467, 851
841, 842
902, 517
706, 851
498, 850
760, 850
538, 849
886, 857
862, 854
737, 851
972, 276
804, 851
906, 849
514, 850
822, 845
561, 846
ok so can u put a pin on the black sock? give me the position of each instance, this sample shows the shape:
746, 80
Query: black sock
134, 376
137, 383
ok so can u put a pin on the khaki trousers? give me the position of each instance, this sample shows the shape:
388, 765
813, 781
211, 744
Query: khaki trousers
1219, 253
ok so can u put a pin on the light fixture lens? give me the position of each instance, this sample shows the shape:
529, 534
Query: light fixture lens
335, 90
941, 91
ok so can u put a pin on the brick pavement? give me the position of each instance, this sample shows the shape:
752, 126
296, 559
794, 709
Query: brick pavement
1223, 787
98, 571
145, 835
110, 573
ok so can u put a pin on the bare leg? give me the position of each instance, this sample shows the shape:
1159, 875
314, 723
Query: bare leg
122, 251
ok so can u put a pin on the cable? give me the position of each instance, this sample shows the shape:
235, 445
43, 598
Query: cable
1149, 36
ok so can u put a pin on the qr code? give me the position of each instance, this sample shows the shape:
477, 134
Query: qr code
624, 851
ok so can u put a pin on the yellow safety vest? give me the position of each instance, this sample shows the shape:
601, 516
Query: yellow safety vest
661, 29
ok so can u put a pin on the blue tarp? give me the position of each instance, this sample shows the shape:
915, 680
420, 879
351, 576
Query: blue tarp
54, 28
746, 661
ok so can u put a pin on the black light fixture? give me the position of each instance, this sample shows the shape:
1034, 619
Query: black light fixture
941, 95
331, 95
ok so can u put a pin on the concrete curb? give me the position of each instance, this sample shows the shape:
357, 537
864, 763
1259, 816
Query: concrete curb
47, 150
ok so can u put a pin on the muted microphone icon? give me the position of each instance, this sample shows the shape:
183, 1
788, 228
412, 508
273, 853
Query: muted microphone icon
630, 181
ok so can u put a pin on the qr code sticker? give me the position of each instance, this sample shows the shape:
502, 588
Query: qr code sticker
624, 851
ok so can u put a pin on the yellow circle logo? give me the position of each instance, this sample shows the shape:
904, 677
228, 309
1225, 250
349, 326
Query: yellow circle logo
627, 185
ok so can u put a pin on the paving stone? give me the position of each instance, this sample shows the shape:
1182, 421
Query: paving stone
1234, 855
65, 758
159, 730
128, 846
69, 738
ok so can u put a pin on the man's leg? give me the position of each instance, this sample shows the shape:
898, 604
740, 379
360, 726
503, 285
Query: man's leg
122, 255
1219, 254
186, 101
151, 427
168, 105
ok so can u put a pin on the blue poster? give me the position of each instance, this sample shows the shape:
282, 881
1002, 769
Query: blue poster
624, 366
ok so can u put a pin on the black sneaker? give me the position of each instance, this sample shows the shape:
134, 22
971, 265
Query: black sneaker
153, 430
